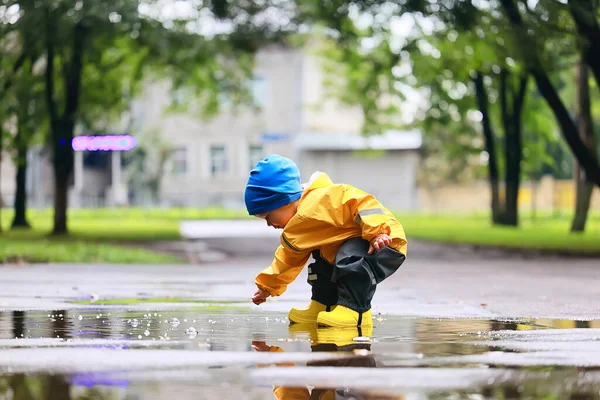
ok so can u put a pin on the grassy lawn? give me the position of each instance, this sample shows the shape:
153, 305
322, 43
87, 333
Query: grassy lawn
95, 236
32, 247
548, 231
99, 235
128, 225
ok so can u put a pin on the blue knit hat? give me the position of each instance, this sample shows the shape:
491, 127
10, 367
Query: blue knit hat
274, 182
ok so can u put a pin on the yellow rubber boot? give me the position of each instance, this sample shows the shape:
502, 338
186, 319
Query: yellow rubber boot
343, 317
306, 315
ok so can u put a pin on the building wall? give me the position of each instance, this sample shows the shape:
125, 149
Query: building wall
93, 191
320, 112
7, 180
291, 95
281, 68
389, 177
288, 85
40, 179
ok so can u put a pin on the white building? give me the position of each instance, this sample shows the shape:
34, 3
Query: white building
212, 158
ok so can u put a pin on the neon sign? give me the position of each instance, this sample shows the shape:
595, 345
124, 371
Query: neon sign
104, 143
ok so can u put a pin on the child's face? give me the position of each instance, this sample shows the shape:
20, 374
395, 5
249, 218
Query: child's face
279, 217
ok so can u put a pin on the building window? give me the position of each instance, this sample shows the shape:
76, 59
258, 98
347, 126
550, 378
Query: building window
219, 164
260, 91
179, 161
255, 153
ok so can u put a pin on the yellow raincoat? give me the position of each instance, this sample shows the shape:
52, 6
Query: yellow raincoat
328, 215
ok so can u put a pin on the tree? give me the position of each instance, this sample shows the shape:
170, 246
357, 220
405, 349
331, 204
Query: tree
583, 188
78, 36
539, 38
528, 45
512, 98
585, 16
437, 63
29, 109
12, 59
529, 41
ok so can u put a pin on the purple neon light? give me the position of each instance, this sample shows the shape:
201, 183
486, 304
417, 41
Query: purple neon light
104, 143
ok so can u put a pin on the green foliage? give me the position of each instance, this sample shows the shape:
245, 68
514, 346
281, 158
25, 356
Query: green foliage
25, 103
363, 83
98, 54
374, 66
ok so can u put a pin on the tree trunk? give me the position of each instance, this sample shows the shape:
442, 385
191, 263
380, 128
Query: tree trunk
583, 197
490, 146
511, 118
508, 216
547, 90
517, 117
584, 188
20, 218
62, 125
61, 189
1, 200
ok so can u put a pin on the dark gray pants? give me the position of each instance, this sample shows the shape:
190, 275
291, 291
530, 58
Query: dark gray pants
352, 281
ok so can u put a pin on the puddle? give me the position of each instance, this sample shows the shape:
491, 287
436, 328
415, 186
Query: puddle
216, 352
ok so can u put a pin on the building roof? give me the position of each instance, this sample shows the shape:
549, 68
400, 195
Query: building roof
392, 140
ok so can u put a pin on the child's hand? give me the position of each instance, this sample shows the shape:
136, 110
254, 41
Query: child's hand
379, 243
260, 296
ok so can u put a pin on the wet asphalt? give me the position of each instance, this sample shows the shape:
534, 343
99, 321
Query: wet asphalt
452, 322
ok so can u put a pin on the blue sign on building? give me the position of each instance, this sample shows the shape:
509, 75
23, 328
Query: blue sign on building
275, 137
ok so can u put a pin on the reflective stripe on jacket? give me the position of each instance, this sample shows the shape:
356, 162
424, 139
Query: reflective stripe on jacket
328, 215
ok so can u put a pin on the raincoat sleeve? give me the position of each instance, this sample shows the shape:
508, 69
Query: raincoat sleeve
370, 215
284, 269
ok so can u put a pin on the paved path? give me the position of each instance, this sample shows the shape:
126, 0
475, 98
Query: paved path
434, 281
437, 280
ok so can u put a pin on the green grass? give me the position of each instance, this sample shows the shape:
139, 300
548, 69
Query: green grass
548, 231
125, 224
99, 235
33, 247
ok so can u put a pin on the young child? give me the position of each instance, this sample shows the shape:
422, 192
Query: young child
356, 243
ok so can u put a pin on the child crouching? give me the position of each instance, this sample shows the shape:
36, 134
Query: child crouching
356, 242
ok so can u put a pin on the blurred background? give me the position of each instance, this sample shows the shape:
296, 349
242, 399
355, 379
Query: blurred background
474, 121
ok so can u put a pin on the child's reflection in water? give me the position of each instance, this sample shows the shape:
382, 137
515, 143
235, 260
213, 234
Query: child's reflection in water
329, 340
